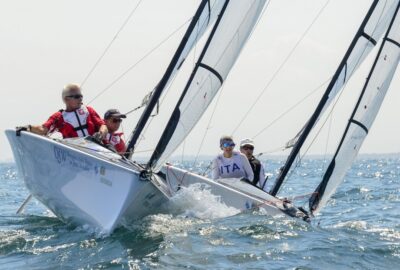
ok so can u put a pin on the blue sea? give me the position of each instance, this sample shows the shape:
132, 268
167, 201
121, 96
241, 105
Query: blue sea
358, 229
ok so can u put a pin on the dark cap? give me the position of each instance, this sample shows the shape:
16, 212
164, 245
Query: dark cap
113, 113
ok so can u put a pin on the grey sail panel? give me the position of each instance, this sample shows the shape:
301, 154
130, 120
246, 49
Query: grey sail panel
363, 115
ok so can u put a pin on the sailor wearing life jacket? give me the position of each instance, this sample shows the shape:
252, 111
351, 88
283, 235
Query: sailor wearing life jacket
77, 120
231, 164
247, 148
113, 119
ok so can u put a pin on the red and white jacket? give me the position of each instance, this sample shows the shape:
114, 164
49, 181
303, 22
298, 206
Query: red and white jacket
79, 123
116, 140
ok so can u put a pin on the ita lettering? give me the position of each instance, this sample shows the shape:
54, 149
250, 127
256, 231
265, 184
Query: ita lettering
229, 168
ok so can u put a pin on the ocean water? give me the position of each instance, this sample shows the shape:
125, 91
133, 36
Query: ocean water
358, 229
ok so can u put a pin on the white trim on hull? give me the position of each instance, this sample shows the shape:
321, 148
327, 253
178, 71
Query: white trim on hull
233, 192
83, 183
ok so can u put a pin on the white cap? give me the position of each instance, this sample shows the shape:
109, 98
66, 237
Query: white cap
246, 142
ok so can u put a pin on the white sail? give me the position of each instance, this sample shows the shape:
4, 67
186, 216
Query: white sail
372, 28
205, 16
220, 53
373, 31
363, 115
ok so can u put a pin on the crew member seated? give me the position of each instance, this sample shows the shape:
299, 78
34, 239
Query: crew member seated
230, 163
247, 148
113, 119
76, 120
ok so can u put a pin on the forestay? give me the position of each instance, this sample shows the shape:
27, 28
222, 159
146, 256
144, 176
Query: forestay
363, 115
220, 52
371, 29
205, 16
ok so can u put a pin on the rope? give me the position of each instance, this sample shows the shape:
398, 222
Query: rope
280, 67
139, 61
292, 108
111, 42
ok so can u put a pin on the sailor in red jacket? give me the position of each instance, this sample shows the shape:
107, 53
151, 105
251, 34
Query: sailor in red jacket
113, 119
77, 120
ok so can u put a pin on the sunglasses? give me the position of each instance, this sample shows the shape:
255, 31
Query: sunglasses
248, 148
228, 144
116, 120
77, 96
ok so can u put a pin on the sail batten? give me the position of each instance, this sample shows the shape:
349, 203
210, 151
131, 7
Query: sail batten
372, 28
226, 40
363, 115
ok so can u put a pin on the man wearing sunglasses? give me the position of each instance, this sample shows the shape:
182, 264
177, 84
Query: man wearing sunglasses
231, 164
247, 148
76, 120
113, 119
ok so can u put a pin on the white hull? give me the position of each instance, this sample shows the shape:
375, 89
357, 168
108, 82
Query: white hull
83, 183
233, 192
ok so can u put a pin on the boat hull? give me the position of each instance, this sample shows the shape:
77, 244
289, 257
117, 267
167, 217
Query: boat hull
83, 183
233, 192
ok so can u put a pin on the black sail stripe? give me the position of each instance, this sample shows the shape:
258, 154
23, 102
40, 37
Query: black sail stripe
209, 11
370, 39
393, 41
360, 125
213, 71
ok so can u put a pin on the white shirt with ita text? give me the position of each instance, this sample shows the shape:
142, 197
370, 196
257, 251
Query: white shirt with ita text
237, 166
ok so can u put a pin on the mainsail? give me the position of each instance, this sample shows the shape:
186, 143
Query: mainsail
205, 16
226, 40
363, 115
372, 28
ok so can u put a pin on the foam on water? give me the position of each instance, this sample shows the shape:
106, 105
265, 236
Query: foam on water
198, 201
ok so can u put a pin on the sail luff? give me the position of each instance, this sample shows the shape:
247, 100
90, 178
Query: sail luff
170, 128
340, 77
363, 115
175, 64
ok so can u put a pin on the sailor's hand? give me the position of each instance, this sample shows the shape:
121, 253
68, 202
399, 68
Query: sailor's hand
98, 137
22, 128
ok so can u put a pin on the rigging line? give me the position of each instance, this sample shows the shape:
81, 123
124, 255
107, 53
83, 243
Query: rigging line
326, 120
111, 42
292, 107
161, 102
139, 61
281, 66
208, 125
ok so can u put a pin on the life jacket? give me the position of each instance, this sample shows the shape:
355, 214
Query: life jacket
78, 119
256, 166
116, 140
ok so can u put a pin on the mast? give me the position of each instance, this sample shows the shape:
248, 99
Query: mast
363, 115
172, 123
315, 116
205, 4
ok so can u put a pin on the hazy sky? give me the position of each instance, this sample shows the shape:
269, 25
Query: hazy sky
45, 44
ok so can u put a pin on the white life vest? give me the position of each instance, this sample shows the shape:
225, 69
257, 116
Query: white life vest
78, 119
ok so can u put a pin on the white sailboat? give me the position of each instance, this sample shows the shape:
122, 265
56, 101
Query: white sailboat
86, 184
